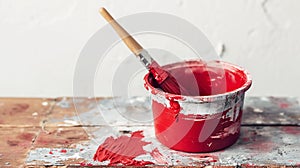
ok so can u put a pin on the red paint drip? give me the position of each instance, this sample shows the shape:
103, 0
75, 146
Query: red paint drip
175, 107
123, 150
63, 151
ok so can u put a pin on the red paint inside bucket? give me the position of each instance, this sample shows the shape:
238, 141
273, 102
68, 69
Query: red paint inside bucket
209, 118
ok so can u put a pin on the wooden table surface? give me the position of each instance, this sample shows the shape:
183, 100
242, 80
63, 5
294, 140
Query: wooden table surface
65, 132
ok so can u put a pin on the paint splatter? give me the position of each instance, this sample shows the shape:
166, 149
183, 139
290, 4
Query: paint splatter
284, 105
158, 156
206, 158
26, 136
86, 164
17, 108
291, 130
63, 151
12, 142
123, 150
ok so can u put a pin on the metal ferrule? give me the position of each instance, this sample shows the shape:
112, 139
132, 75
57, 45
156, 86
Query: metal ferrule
145, 58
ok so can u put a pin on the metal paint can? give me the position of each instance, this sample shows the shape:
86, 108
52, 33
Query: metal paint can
203, 123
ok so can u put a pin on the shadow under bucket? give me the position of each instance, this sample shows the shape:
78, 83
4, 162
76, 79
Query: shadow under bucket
205, 123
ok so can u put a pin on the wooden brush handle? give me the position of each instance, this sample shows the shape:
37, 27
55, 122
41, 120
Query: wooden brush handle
133, 45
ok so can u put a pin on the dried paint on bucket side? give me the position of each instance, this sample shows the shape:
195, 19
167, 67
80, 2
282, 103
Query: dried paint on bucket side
203, 123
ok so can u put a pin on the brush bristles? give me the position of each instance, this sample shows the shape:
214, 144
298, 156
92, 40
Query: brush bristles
170, 85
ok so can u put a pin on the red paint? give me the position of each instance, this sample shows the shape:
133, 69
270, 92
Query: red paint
158, 73
123, 150
174, 107
284, 105
246, 139
26, 136
86, 164
190, 132
18, 108
164, 80
249, 165
159, 158
168, 128
51, 153
63, 151
12, 142
201, 79
291, 130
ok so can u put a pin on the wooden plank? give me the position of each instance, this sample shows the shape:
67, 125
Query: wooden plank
24, 112
271, 111
59, 137
56, 143
257, 146
66, 110
270, 135
14, 145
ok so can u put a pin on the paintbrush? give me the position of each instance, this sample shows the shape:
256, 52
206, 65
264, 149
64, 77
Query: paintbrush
162, 77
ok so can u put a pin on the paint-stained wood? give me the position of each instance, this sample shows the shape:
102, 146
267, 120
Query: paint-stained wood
24, 111
66, 132
58, 137
15, 143
271, 111
66, 110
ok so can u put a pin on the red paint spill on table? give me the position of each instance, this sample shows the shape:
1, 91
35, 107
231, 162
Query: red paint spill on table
158, 156
123, 150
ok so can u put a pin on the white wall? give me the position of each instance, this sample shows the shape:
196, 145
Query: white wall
40, 41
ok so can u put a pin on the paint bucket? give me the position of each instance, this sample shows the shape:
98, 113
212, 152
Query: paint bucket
203, 123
